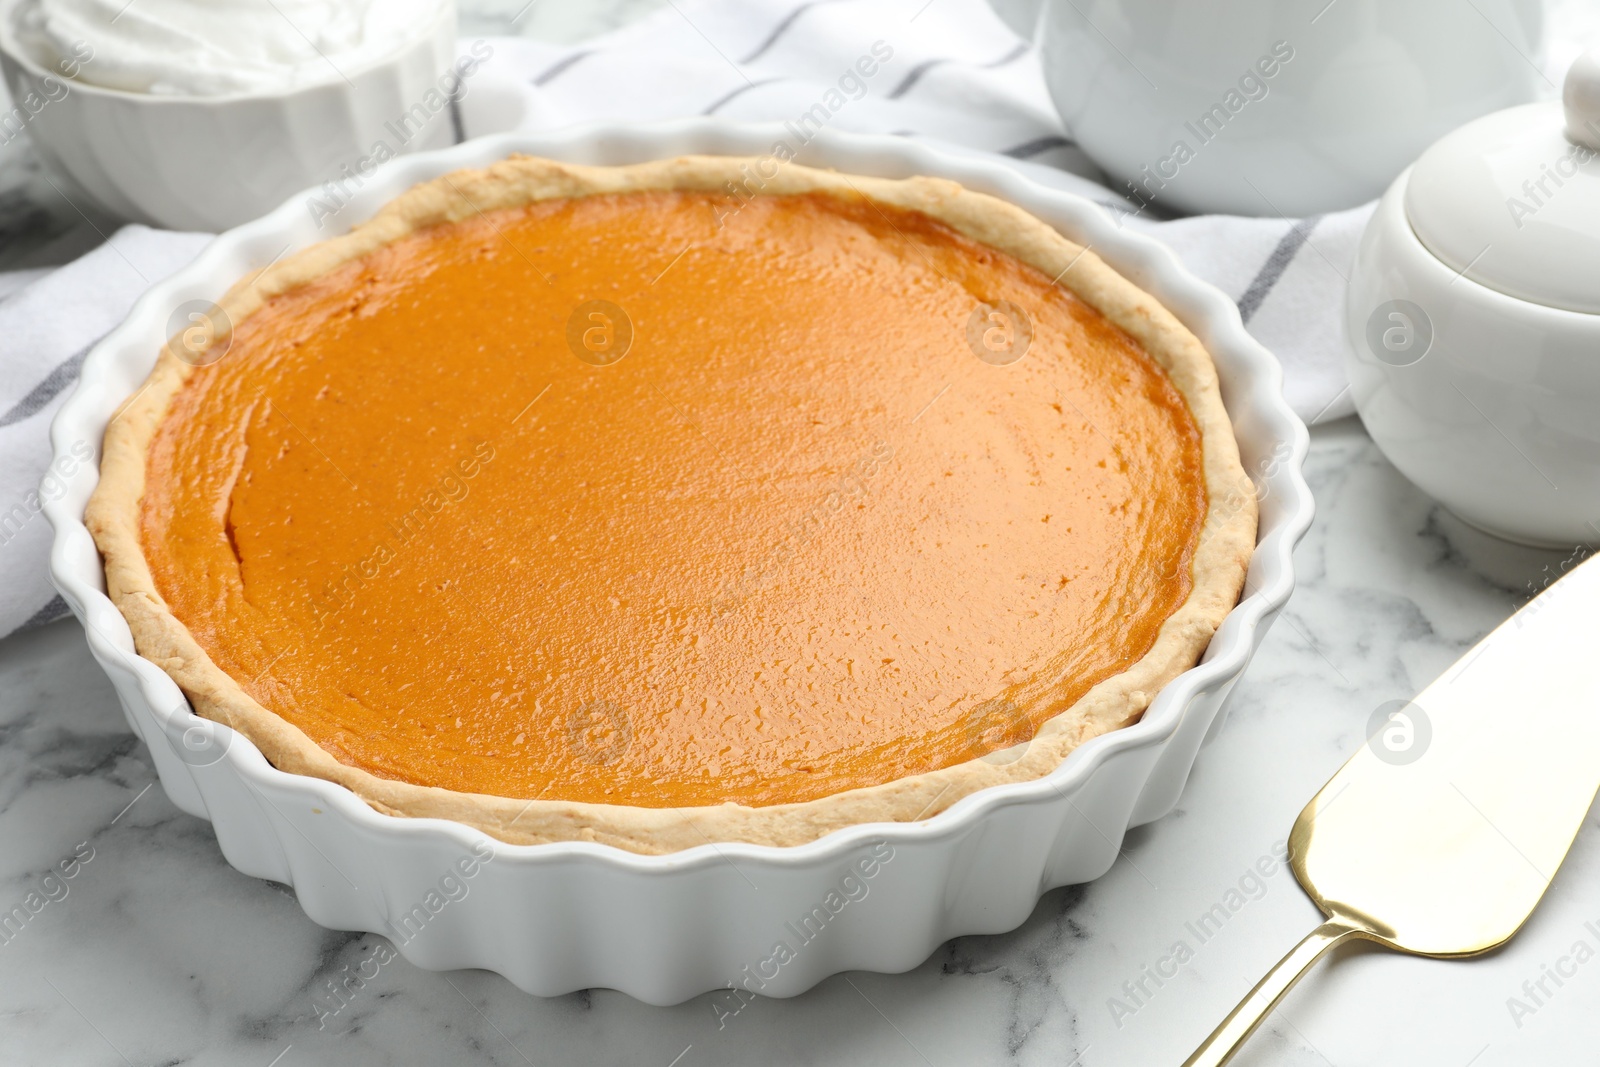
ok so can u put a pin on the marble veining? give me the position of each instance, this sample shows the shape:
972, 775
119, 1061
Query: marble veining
155, 951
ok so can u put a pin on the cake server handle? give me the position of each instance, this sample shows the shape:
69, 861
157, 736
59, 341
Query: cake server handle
1226, 1039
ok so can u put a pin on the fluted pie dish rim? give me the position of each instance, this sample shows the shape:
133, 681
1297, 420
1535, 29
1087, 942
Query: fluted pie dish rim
354, 867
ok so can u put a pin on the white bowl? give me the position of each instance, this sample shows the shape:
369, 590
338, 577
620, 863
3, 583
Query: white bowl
209, 163
1485, 401
558, 917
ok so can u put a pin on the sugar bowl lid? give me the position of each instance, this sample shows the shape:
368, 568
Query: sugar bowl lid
1512, 200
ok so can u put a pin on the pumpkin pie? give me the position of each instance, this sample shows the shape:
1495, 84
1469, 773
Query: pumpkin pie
699, 500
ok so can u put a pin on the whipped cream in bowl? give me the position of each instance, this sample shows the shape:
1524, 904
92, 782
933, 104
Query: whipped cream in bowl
221, 47
205, 114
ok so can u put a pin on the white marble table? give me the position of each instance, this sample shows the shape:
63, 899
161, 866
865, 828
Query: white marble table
156, 951
159, 952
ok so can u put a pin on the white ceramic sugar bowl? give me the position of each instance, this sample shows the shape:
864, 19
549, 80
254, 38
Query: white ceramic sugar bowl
1473, 319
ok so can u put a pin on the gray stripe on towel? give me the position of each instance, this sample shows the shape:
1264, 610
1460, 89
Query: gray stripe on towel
1278, 262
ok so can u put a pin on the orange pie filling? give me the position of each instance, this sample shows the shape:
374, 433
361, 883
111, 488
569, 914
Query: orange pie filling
627, 499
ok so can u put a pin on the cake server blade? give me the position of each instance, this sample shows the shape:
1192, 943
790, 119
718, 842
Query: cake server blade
1442, 833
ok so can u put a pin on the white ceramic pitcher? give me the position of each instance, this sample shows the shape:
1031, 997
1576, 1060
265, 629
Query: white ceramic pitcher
1274, 107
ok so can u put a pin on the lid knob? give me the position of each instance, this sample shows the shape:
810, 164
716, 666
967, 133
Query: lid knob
1581, 95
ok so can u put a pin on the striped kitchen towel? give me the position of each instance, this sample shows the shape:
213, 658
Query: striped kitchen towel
946, 70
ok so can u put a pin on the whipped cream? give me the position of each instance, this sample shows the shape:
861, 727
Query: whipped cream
223, 47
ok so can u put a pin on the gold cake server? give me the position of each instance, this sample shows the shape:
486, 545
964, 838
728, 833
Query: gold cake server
1442, 833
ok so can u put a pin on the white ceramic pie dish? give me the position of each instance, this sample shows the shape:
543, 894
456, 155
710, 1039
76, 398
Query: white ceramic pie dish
559, 917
